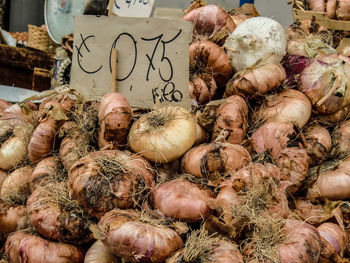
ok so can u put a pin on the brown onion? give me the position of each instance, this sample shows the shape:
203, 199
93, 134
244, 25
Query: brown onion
316, 5
335, 236
206, 56
202, 88
318, 143
114, 117
341, 140
64, 100
343, 10
214, 159
99, 253
21, 247
331, 8
11, 216
232, 118
55, 215
202, 136
104, 180
256, 81
287, 106
238, 19
136, 241
310, 212
16, 187
210, 23
189, 201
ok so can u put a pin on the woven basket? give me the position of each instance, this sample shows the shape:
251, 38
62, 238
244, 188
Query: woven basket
38, 38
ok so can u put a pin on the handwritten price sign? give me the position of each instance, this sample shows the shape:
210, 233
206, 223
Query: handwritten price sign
133, 8
152, 58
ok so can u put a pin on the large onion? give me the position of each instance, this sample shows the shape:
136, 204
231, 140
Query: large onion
189, 201
254, 39
99, 253
130, 238
21, 247
104, 180
164, 134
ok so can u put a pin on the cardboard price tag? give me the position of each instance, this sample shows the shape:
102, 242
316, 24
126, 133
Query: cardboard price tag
133, 8
152, 64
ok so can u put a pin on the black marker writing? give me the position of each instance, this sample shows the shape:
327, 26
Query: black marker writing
80, 55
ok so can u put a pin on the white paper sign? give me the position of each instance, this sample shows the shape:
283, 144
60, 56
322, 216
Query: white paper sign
152, 64
133, 8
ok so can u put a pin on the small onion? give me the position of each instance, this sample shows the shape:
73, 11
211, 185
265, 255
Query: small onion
341, 140
21, 247
232, 117
316, 5
99, 253
331, 8
136, 241
334, 235
202, 88
114, 117
164, 134
11, 216
189, 201
286, 106
343, 10
335, 118
16, 187
210, 23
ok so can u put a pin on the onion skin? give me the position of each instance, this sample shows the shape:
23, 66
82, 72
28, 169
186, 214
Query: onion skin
316, 5
331, 8
209, 57
98, 253
114, 118
343, 10
287, 106
10, 217
202, 88
313, 214
62, 100
335, 236
4, 105
202, 136
210, 22
207, 116
21, 247
55, 222
335, 118
189, 201
98, 192
256, 81
3, 176
294, 66
232, 117
16, 187
47, 170
341, 140
212, 160
129, 238
163, 135
318, 143
333, 185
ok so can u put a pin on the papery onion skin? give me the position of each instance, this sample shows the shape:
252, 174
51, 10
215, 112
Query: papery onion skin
343, 10
210, 22
334, 235
206, 117
287, 106
256, 81
209, 57
3, 176
317, 5
202, 136
65, 102
313, 214
11, 216
341, 140
294, 66
16, 187
98, 190
54, 221
163, 135
99, 253
114, 117
318, 143
135, 241
335, 118
232, 117
21, 247
211, 160
333, 185
189, 201
202, 88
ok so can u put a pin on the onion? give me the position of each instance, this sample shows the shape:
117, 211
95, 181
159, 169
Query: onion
164, 134
202, 136
16, 188
210, 23
335, 236
212, 160
341, 140
232, 118
114, 117
3, 176
316, 5
238, 19
335, 118
286, 106
294, 66
206, 117
55, 215
189, 201
254, 39
104, 180
343, 10
14, 138
311, 213
325, 82
21, 247
318, 143
98, 253
4, 105
11, 216
334, 184
47, 171
256, 81
207, 57
136, 241
64, 100
202, 88
331, 8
